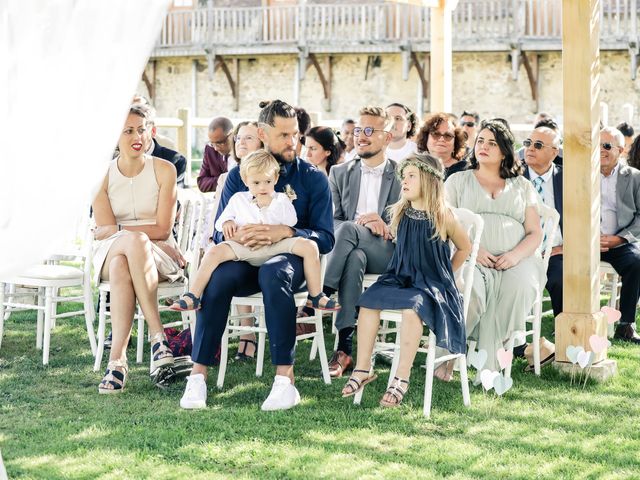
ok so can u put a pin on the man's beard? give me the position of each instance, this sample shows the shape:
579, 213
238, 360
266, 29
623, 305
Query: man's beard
368, 154
281, 159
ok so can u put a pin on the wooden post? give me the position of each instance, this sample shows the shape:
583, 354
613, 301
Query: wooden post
581, 316
441, 57
183, 140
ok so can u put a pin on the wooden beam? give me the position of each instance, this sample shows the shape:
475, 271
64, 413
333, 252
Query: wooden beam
324, 76
441, 57
150, 83
421, 73
532, 67
581, 171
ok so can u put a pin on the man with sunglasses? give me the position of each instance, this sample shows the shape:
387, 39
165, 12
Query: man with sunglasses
216, 159
469, 121
362, 190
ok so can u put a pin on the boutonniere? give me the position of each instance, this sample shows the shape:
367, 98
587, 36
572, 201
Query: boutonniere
290, 193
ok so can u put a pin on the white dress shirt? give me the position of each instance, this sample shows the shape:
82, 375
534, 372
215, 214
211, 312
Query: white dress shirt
370, 184
547, 196
399, 154
609, 206
348, 156
243, 210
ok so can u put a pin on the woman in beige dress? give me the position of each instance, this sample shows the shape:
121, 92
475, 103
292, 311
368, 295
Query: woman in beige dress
134, 213
509, 268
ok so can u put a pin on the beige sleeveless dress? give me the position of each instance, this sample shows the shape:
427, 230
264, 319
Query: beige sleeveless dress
134, 201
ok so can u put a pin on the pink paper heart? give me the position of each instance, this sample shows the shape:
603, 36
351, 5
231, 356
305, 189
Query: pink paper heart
504, 357
612, 314
598, 344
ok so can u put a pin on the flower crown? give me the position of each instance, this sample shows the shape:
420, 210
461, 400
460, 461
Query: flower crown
416, 162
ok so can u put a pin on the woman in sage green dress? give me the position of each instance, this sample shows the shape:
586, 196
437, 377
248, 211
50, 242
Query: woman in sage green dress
509, 268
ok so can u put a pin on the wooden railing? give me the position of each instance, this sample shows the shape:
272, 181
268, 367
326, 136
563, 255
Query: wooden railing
475, 23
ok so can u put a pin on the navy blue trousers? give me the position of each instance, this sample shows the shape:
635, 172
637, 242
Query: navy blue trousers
278, 279
625, 260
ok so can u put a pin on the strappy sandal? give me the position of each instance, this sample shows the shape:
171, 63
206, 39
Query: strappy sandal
161, 353
242, 353
355, 384
396, 392
314, 302
181, 305
114, 377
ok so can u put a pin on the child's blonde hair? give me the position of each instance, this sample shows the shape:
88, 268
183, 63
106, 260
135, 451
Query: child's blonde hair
431, 190
259, 161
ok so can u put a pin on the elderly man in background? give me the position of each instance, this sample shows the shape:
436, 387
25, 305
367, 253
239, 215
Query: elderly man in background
216, 159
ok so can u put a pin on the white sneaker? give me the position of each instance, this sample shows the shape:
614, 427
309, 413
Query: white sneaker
195, 394
283, 395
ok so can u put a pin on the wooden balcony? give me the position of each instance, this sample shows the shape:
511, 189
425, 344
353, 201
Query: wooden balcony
478, 25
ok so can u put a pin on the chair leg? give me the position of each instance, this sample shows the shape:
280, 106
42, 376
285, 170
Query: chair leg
224, 354
89, 316
49, 305
261, 344
464, 380
2, 286
40, 318
334, 330
396, 359
536, 339
140, 338
322, 351
314, 350
54, 310
428, 382
102, 320
357, 398
10, 299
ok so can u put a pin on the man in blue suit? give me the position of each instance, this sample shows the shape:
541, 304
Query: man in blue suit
279, 277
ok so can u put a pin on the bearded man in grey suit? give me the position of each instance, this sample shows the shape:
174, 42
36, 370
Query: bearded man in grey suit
362, 190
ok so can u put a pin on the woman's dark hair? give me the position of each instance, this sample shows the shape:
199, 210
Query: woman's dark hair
633, 159
329, 141
411, 118
275, 108
431, 124
235, 134
509, 167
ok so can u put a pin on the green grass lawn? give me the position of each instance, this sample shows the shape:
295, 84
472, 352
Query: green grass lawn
53, 423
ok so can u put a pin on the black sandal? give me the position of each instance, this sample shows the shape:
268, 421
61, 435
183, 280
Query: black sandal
114, 379
355, 384
181, 304
314, 302
161, 353
242, 355
396, 393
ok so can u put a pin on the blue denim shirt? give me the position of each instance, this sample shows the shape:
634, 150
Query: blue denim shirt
313, 203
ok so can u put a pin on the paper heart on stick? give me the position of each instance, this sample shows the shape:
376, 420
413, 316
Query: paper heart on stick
477, 359
504, 357
612, 314
502, 384
487, 377
573, 352
598, 344
585, 359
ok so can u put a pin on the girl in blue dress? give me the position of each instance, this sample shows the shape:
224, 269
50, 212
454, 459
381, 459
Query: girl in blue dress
419, 279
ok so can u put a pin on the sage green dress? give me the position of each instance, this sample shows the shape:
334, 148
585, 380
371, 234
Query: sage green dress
500, 299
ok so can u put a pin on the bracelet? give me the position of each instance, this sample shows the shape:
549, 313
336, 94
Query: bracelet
119, 227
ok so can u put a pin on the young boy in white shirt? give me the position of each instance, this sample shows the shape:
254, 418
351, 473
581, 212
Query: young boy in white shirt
261, 204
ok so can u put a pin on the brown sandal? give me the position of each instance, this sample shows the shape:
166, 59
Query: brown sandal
355, 385
395, 392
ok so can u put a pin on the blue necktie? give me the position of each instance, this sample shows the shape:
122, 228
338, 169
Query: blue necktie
537, 182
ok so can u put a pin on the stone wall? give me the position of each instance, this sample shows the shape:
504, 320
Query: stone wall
481, 82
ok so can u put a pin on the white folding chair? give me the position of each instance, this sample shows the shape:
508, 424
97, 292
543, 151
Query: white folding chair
611, 285
189, 230
550, 219
256, 301
48, 280
474, 225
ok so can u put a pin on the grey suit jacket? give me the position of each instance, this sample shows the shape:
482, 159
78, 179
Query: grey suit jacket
628, 203
344, 181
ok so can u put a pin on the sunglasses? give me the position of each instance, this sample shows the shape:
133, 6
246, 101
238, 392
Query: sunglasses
439, 136
468, 124
538, 145
368, 131
607, 146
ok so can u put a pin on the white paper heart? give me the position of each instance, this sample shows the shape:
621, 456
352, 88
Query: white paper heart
504, 357
598, 344
585, 359
612, 314
502, 384
487, 377
573, 352
477, 359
